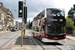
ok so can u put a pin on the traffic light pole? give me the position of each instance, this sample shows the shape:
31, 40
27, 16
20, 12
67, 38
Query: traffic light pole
21, 14
22, 34
24, 13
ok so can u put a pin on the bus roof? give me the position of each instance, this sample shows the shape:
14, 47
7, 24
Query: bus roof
53, 10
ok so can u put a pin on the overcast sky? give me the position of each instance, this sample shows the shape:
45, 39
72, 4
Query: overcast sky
37, 5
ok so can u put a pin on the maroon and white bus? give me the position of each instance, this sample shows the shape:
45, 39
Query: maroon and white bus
49, 25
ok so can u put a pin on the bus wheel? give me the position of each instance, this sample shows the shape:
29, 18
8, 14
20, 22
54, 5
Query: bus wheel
40, 37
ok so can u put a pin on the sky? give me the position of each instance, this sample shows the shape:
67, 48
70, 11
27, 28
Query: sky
35, 6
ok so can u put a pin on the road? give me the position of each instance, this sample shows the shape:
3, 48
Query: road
68, 45
33, 43
5, 38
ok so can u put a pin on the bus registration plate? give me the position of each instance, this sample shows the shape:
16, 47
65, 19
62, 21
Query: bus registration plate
55, 38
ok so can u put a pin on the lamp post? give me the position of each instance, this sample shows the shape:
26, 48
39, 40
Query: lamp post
74, 18
74, 23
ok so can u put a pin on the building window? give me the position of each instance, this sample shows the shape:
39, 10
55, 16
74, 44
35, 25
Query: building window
7, 17
2, 16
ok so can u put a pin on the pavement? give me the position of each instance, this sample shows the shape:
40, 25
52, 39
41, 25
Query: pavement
28, 43
4, 31
7, 38
70, 37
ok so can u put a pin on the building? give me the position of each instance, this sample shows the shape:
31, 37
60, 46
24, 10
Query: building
20, 25
3, 16
6, 18
17, 25
10, 19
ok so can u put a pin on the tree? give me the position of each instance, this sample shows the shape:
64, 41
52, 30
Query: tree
71, 12
70, 19
31, 25
70, 24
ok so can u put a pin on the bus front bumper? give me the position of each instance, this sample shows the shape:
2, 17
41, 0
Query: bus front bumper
49, 40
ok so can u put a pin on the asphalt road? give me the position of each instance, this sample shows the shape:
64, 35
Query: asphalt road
34, 43
68, 45
5, 38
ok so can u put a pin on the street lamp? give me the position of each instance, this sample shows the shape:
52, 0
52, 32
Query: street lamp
74, 18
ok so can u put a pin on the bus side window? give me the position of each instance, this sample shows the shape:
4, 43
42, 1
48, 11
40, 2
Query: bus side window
40, 23
37, 29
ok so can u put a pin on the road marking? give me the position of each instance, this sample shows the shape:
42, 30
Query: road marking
13, 43
31, 43
38, 47
42, 46
9, 42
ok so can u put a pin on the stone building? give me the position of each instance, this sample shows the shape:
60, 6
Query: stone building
17, 25
6, 18
3, 16
20, 26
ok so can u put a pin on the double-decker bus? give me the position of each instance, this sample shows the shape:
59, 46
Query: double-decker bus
49, 25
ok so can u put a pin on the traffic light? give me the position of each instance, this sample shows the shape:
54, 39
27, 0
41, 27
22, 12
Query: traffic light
25, 12
20, 9
25, 15
25, 20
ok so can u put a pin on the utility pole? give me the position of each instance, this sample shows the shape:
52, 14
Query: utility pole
24, 13
22, 34
25, 16
29, 23
74, 18
25, 3
20, 15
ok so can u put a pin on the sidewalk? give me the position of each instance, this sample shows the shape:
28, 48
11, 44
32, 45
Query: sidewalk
70, 37
4, 31
28, 44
